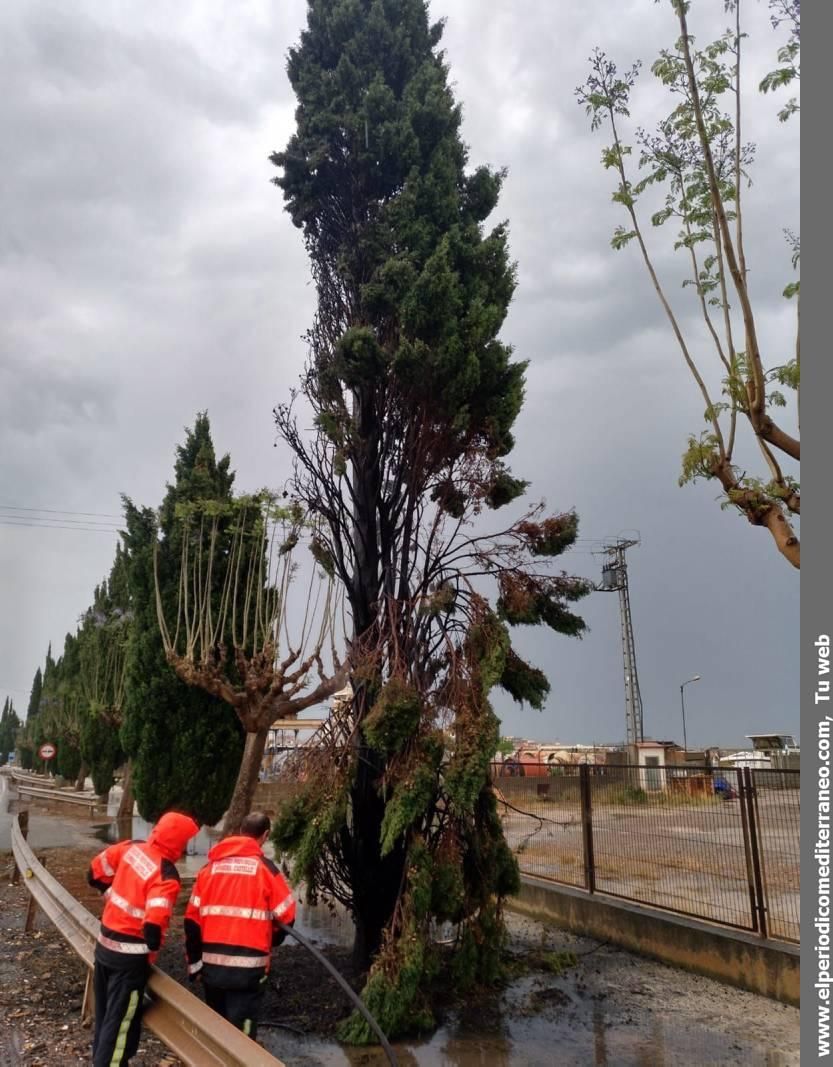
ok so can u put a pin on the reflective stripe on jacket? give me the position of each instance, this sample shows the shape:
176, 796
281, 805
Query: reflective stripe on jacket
142, 887
230, 918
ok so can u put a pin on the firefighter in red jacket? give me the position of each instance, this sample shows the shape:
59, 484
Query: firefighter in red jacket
230, 927
140, 884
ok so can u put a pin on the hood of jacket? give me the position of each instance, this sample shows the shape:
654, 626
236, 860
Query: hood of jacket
239, 845
172, 833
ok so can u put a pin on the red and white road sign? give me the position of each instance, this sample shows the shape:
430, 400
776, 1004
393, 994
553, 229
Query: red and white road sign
47, 751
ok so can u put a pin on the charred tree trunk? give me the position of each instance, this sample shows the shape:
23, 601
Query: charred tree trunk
247, 777
126, 806
375, 881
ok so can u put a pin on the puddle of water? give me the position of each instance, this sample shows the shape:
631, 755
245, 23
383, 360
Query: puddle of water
320, 925
581, 1017
578, 1031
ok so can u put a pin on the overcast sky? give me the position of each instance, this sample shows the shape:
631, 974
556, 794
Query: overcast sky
147, 271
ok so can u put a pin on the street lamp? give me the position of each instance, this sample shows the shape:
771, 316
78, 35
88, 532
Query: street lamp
696, 678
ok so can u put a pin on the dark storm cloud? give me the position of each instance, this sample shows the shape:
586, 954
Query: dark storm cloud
147, 271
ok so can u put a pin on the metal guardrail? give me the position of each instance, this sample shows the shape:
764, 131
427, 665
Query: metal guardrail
28, 788
56, 797
189, 1028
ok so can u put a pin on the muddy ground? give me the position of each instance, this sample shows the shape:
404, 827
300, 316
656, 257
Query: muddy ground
634, 1010
42, 981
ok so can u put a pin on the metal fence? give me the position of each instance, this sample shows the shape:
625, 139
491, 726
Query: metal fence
718, 844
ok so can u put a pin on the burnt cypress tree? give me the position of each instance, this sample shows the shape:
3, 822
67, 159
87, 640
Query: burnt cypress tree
185, 745
414, 398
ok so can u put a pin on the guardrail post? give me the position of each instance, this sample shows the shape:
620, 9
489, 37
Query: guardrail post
88, 1003
23, 823
587, 827
32, 907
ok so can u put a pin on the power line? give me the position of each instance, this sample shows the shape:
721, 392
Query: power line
61, 511
55, 526
44, 519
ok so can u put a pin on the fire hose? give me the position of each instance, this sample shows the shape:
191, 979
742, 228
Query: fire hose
391, 1055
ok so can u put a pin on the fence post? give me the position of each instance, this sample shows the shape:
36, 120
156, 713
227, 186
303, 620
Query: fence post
587, 827
747, 848
754, 848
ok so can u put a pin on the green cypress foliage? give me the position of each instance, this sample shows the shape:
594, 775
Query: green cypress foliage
185, 745
414, 397
37, 686
104, 639
9, 724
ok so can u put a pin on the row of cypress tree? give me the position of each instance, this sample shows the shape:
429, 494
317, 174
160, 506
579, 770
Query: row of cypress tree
414, 398
111, 698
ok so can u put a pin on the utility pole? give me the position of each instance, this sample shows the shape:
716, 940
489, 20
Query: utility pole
615, 579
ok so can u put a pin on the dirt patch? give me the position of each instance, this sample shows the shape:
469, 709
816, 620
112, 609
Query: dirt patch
42, 981
565, 992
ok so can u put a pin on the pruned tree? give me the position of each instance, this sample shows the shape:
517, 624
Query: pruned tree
698, 159
184, 745
232, 634
413, 398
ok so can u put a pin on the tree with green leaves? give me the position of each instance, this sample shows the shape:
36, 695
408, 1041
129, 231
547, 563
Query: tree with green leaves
786, 13
184, 744
104, 639
414, 398
25, 737
33, 706
9, 725
56, 715
505, 747
65, 716
697, 161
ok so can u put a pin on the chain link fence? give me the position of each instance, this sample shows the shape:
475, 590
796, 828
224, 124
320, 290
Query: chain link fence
718, 844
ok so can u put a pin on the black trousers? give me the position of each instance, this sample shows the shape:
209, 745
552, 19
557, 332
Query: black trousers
240, 1006
118, 1013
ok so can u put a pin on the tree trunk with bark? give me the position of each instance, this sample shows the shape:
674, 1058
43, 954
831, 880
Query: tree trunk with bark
82, 778
784, 536
247, 778
126, 806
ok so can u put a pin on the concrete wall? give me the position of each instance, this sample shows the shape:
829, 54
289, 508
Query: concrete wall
269, 795
770, 968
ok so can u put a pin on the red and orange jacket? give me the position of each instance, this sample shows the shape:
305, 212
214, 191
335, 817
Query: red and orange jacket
230, 921
140, 884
